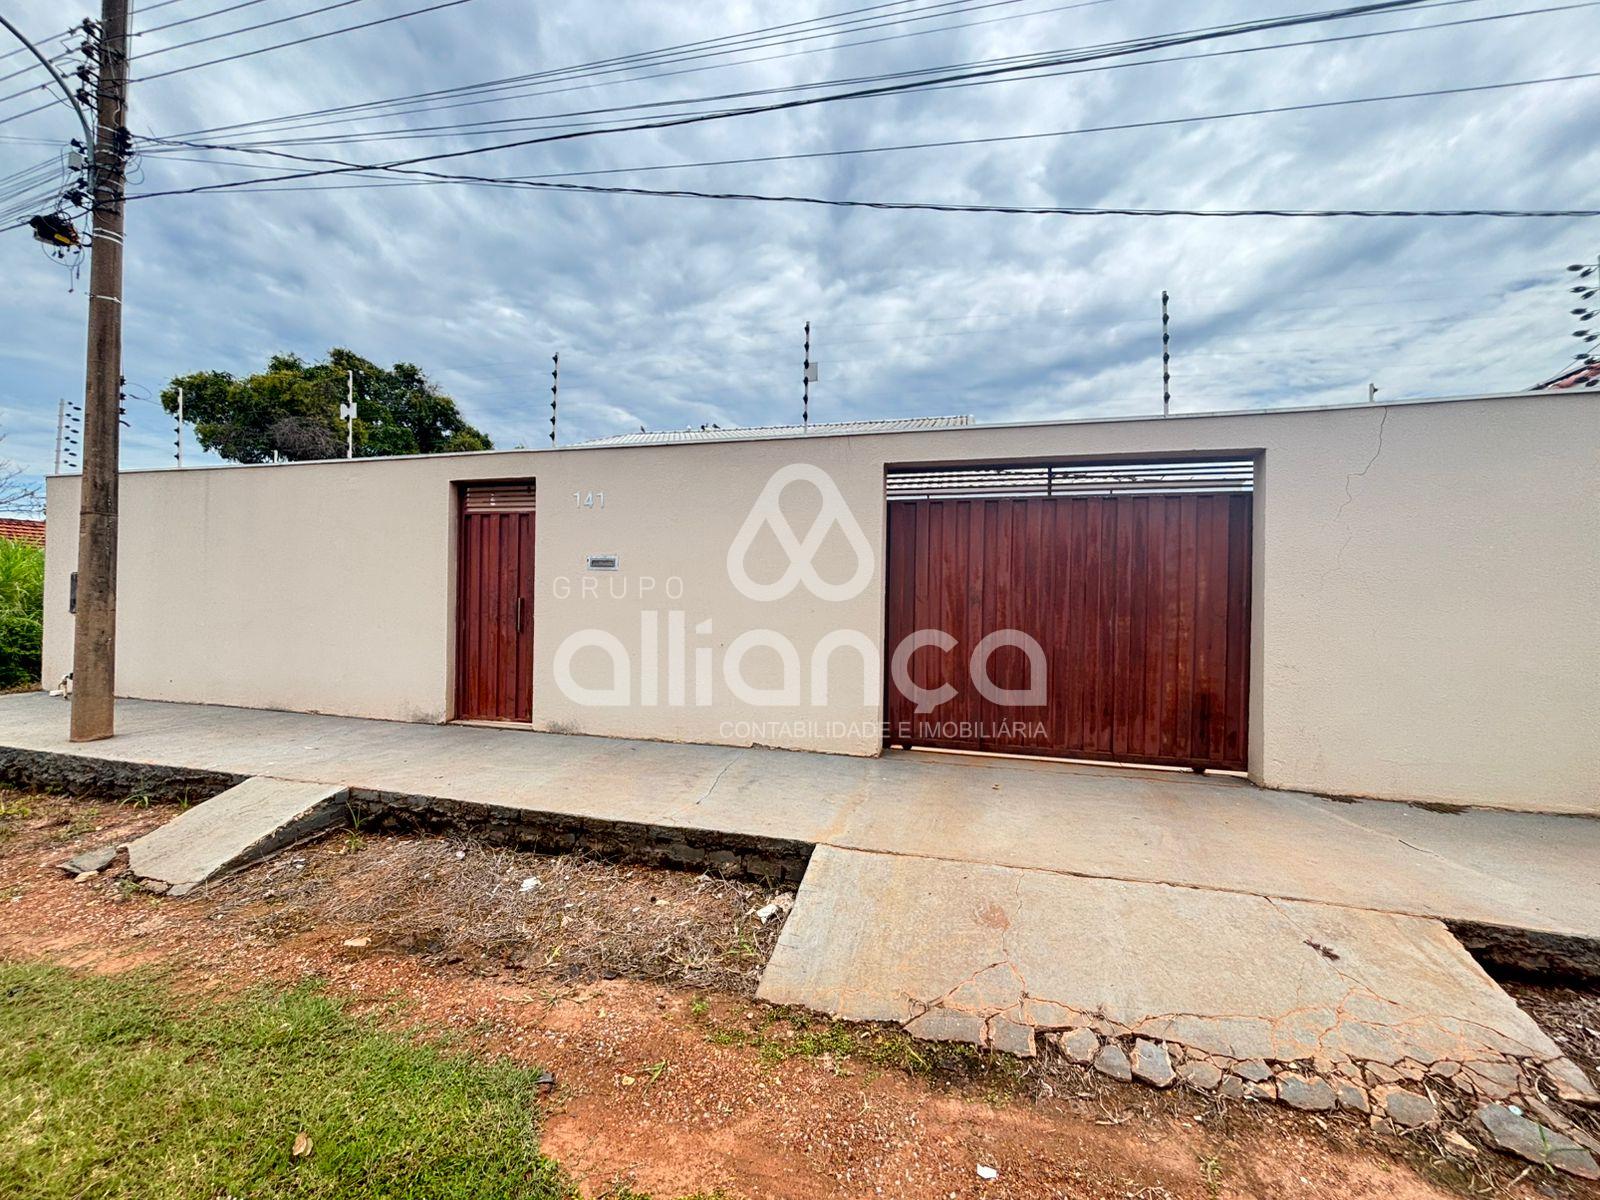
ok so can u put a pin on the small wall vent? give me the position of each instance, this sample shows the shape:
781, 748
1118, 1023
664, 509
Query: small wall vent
497, 497
1070, 479
601, 562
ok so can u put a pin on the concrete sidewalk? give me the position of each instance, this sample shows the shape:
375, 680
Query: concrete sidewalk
1514, 870
1165, 927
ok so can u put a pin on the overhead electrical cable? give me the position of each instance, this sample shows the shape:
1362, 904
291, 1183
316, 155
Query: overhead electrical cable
1157, 42
555, 124
512, 127
199, 41
205, 16
924, 206
300, 41
634, 59
995, 139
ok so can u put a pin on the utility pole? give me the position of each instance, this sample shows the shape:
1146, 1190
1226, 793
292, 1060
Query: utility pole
347, 410
61, 428
95, 632
555, 392
1166, 359
1372, 393
177, 440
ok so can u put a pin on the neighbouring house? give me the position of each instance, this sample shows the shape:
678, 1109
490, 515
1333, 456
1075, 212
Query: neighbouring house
1397, 600
19, 529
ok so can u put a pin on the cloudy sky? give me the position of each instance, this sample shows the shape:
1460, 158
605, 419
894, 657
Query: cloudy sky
669, 312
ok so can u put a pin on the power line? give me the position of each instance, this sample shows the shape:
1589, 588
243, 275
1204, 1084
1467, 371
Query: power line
921, 206
32, 66
1157, 42
416, 12
245, 29
283, 127
1035, 60
217, 12
995, 139
576, 70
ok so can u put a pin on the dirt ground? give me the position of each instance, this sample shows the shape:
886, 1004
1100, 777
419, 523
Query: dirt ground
635, 988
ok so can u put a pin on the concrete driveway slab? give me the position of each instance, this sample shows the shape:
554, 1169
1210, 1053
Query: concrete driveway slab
1522, 871
248, 821
996, 955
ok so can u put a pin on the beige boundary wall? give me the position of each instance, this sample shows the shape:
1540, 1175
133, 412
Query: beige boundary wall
1426, 598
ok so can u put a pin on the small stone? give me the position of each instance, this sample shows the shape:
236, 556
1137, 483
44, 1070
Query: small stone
1080, 1046
1381, 1073
1445, 1069
1409, 1110
1550, 1118
1151, 1064
1351, 1098
158, 886
1201, 1076
1253, 1069
1113, 1062
85, 876
1260, 1091
1496, 1080
1410, 1070
1532, 1141
90, 861
357, 943
1308, 1095
180, 889
1569, 1081
1231, 1088
987, 1173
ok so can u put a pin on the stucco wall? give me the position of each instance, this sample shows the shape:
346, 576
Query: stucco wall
1426, 601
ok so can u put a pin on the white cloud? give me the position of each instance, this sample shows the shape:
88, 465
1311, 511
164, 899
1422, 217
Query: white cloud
670, 312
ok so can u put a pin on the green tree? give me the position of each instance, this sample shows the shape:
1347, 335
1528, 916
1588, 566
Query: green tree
21, 612
292, 409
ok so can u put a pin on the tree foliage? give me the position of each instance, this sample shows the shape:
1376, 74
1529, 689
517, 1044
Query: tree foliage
292, 409
21, 612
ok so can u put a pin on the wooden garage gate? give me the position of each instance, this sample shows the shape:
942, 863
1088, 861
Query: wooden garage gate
1133, 580
494, 602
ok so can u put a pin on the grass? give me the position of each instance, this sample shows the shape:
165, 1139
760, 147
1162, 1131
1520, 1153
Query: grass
780, 1034
110, 1088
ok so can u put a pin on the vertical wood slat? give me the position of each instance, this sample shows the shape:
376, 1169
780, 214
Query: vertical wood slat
1141, 604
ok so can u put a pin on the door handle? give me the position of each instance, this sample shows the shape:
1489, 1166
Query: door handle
519, 614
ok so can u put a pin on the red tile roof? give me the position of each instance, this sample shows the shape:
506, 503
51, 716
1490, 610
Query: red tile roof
16, 529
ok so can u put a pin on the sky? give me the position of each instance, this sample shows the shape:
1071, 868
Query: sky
672, 312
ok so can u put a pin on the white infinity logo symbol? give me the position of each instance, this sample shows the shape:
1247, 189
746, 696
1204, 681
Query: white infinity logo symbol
768, 511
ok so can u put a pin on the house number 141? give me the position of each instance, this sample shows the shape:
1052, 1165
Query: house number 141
589, 499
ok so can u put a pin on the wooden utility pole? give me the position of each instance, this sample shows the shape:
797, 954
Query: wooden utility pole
94, 649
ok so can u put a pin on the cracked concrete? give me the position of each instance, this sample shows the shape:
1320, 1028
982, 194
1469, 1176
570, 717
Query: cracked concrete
997, 956
249, 821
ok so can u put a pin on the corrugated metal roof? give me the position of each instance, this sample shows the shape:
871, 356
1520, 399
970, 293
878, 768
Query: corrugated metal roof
668, 436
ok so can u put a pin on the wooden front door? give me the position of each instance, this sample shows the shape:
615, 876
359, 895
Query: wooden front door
1139, 606
494, 603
